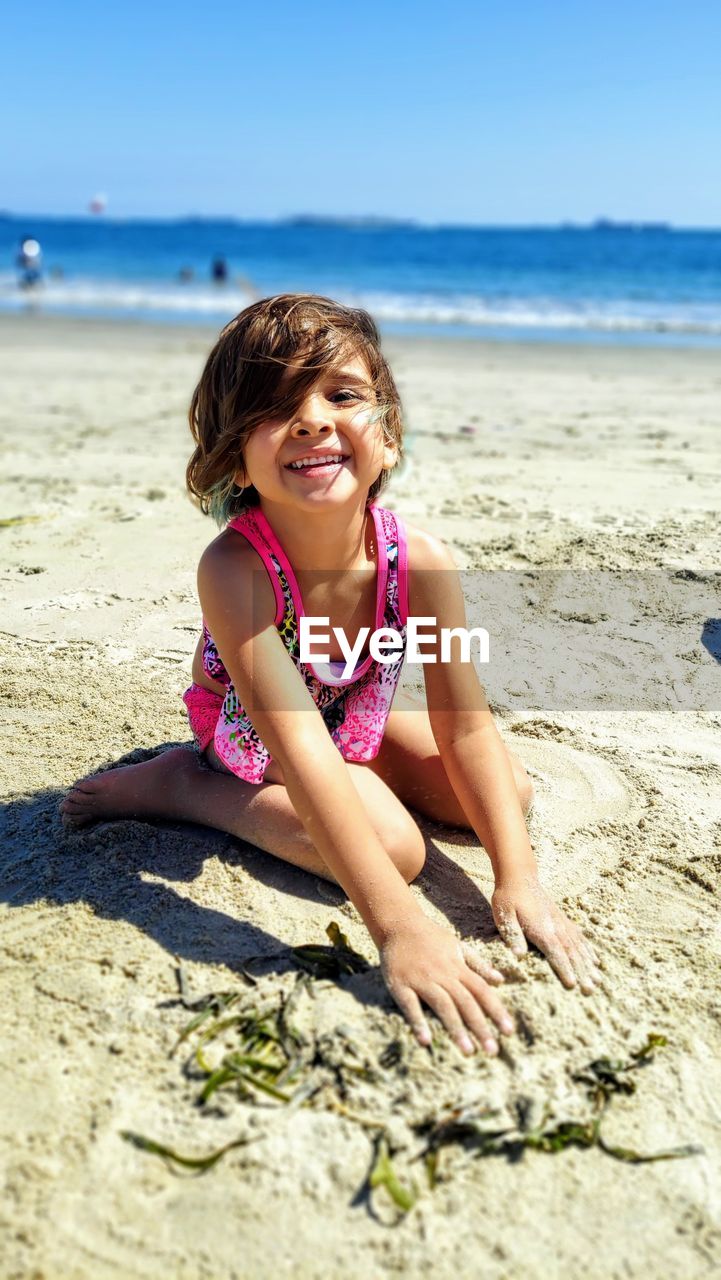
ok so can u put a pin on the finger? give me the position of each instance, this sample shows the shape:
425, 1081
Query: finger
410, 1007
481, 966
511, 931
581, 968
592, 953
557, 957
475, 1020
589, 956
579, 938
490, 1003
442, 1004
579, 954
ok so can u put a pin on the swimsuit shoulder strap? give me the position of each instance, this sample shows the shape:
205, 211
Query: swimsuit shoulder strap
392, 538
255, 528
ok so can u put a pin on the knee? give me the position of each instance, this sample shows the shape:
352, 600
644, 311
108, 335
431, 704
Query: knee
406, 847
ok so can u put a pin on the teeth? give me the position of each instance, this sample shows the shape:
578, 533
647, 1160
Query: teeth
316, 462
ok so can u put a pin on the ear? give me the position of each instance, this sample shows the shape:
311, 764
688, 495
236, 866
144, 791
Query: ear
390, 456
241, 478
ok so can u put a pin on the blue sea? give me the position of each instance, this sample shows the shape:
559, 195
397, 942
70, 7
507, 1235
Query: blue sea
610, 282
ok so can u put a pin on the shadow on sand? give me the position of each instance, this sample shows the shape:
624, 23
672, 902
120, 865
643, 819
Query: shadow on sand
128, 870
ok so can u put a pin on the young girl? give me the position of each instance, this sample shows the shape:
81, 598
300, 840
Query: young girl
297, 425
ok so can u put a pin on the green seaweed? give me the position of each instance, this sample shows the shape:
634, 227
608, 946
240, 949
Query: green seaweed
431, 1162
636, 1157
336, 961
200, 1163
382, 1174
213, 1005
603, 1078
568, 1133
463, 1128
289, 1037
392, 1055
337, 937
606, 1076
265, 1053
234, 1071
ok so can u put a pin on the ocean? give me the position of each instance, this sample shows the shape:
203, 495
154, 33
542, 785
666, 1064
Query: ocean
610, 282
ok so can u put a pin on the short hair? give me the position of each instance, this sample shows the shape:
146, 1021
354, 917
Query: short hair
240, 387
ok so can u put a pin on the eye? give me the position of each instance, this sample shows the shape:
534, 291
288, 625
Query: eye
344, 397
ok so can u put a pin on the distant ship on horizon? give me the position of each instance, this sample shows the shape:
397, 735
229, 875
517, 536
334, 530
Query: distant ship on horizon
611, 224
370, 221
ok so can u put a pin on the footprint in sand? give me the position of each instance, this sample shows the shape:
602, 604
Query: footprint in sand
72, 601
574, 789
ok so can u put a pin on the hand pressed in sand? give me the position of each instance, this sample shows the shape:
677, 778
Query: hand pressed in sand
524, 911
425, 962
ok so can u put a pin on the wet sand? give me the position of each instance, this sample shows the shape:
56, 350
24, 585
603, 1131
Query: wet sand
576, 465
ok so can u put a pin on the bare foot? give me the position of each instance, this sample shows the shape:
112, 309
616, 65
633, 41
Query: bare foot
152, 789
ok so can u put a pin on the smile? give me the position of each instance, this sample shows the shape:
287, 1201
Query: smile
318, 462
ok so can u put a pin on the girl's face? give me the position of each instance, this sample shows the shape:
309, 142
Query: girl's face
339, 421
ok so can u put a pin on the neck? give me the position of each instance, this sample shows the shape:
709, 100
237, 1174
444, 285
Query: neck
337, 539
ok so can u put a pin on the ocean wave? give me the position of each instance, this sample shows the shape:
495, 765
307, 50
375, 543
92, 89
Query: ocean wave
532, 313
112, 297
196, 301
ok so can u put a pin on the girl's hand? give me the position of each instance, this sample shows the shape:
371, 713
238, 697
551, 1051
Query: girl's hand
423, 961
522, 909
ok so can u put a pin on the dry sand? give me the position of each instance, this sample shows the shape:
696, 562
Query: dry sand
583, 460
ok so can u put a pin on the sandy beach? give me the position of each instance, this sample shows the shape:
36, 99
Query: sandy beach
578, 488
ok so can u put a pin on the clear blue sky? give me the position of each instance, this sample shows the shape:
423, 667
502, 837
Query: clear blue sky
468, 112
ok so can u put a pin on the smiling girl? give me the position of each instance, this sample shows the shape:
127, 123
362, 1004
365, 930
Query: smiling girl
297, 425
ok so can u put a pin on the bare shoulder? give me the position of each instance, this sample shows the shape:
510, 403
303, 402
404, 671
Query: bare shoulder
434, 588
232, 577
229, 556
426, 551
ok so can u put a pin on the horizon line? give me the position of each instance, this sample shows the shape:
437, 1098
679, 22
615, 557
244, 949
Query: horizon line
366, 221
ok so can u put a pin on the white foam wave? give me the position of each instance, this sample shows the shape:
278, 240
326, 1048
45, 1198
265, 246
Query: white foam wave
119, 296
460, 310
617, 315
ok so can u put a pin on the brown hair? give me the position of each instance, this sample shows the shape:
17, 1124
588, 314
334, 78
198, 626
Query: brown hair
240, 387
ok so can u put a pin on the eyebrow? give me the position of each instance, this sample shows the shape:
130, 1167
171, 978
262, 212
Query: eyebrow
344, 375
348, 376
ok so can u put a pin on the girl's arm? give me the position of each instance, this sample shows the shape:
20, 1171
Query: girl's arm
420, 960
480, 773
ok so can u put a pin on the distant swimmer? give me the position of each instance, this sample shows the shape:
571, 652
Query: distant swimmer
185, 275
30, 263
219, 271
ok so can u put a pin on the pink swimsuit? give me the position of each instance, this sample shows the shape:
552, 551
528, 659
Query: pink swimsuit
354, 710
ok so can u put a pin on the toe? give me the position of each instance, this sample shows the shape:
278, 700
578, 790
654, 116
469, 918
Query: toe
77, 808
74, 801
73, 818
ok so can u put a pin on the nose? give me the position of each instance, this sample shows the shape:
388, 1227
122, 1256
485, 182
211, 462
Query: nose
313, 418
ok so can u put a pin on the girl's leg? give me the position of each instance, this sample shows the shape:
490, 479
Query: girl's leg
410, 764
176, 785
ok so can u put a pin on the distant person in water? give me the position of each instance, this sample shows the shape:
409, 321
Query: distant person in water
219, 271
185, 275
29, 263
